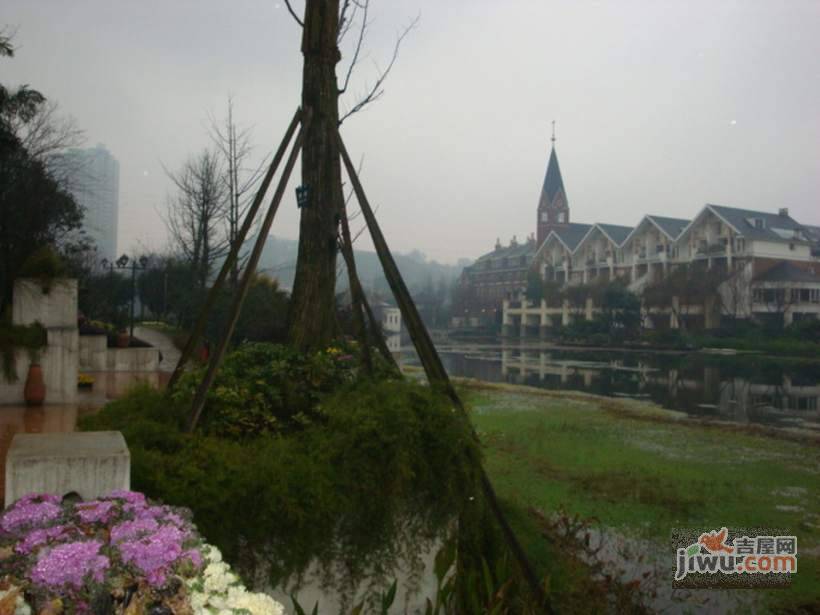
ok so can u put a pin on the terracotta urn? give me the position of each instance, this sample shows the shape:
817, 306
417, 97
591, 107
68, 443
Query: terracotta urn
123, 339
35, 390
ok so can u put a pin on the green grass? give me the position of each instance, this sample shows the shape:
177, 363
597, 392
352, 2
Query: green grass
641, 471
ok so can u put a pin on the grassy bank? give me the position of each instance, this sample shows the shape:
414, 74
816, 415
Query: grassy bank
641, 471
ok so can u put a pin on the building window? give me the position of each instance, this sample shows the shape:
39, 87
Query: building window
562, 217
791, 247
545, 217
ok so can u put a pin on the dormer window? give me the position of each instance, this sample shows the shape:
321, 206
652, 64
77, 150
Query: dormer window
759, 223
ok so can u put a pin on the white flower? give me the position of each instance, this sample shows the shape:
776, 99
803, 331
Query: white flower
218, 578
212, 554
257, 604
222, 594
198, 600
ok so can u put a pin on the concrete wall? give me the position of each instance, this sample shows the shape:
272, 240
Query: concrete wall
56, 310
93, 353
783, 251
95, 356
132, 359
91, 464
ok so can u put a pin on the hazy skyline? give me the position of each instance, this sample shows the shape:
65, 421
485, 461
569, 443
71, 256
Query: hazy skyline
660, 107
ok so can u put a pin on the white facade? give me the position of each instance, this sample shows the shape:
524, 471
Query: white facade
769, 264
391, 320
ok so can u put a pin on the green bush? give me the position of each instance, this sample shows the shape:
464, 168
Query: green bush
267, 388
32, 338
807, 329
385, 470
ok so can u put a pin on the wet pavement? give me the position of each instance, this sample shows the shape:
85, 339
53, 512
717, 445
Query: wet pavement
62, 418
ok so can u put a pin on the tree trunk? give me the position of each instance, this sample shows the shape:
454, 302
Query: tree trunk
311, 322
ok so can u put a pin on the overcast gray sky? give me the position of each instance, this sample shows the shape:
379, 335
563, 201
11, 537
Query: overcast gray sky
661, 106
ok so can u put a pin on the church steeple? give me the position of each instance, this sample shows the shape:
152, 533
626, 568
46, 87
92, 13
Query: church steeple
553, 209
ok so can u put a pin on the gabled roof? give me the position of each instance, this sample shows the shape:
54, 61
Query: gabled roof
787, 272
569, 235
671, 227
615, 233
775, 227
553, 183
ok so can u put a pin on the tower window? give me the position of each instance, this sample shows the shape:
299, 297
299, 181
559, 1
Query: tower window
545, 216
562, 217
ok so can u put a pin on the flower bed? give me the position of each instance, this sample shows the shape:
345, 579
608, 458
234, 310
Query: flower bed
118, 554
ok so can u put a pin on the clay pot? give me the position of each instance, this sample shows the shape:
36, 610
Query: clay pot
35, 390
123, 339
203, 353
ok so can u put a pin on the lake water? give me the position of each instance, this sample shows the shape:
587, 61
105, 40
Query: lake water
741, 388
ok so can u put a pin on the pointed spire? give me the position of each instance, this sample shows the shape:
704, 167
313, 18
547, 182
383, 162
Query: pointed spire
553, 182
553, 134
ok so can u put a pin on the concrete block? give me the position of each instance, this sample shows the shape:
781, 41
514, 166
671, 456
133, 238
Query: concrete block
60, 365
93, 353
133, 359
92, 464
55, 308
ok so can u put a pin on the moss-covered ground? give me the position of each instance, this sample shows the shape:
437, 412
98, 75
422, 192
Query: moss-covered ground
640, 471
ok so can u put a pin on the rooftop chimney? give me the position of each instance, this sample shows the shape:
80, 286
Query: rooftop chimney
783, 211
497, 244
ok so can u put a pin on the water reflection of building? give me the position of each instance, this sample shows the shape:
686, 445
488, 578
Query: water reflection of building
681, 383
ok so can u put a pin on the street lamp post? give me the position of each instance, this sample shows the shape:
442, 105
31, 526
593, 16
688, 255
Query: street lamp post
122, 263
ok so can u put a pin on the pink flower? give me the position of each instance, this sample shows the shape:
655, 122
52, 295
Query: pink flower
70, 565
31, 511
154, 553
95, 511
35, 538
194, 556
132, 497
130, 529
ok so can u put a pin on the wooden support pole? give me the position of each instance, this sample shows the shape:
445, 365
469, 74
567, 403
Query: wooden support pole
434, 368
233, 254
242, 291
356, 292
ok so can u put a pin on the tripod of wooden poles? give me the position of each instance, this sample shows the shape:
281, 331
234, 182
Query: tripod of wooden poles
364, 322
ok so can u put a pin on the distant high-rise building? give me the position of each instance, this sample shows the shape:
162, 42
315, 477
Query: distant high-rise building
93, 177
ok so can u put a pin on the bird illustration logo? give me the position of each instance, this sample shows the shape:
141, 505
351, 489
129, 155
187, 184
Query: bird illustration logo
714, 541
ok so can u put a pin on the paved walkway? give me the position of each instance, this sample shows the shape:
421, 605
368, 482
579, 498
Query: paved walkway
158, 339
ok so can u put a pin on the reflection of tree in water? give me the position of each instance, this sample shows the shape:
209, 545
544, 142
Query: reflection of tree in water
359, 564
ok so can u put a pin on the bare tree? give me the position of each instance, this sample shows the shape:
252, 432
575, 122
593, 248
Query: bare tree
197, 214
234, 145
47, 131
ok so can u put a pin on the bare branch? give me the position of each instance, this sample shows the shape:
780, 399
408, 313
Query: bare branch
357, 51
293, 14
196, 215
46, 132
377, 90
